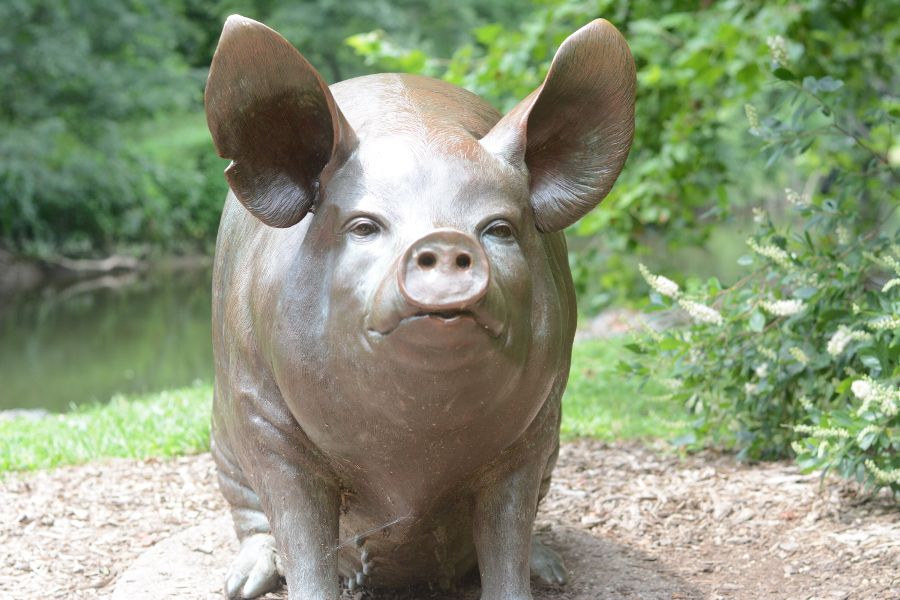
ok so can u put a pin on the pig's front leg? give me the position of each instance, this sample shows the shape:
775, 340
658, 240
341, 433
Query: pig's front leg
303, 512
505, 508
299, 498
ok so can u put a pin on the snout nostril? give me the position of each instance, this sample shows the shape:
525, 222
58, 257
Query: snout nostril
444, 273
427, 260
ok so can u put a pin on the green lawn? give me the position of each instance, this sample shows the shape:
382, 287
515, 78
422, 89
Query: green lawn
602, 403
599, 403
169, 423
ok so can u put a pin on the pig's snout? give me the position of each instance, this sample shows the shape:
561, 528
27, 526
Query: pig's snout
443, 276
446, 270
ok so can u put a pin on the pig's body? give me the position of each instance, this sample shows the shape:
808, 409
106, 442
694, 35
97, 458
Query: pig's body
409, 439
393, 312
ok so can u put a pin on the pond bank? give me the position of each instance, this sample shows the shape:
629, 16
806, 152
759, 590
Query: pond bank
163, 424
19, 274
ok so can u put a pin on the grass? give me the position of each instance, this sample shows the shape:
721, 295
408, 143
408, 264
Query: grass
604, 404
599, 403
170, 423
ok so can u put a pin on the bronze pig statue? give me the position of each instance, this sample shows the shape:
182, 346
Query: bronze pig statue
393, 312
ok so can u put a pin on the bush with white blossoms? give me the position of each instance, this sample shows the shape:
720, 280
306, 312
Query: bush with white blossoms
800, 357
814, 375
782, 308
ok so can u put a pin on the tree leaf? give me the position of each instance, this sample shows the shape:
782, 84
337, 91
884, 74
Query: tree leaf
757, 321
829, 84
784, 74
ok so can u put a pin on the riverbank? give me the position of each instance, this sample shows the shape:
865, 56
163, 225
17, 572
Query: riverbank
22, 274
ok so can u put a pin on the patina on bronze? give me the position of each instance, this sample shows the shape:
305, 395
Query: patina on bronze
393, 312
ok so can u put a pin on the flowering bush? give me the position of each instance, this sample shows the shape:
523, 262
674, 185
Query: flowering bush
800, 357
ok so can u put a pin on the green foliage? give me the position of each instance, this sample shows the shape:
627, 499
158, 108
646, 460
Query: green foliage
167, 424
319, 28
72, 71
103, 142
800, 357
181, 180
698, 64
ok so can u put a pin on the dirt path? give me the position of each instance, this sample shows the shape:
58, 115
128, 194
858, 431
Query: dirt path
631, 522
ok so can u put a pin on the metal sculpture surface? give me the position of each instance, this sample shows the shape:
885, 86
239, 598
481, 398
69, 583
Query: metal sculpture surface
393, 312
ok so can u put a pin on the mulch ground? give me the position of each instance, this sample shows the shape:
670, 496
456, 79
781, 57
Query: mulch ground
632, 522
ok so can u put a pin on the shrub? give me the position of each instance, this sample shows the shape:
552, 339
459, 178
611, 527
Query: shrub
800, 357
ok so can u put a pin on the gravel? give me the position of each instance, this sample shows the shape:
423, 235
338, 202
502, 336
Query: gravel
632, 521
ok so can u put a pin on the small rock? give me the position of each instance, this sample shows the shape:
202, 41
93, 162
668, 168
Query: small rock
737, 540
744, 516
721, 511
590, 521
789, 547
542, 526
30, 414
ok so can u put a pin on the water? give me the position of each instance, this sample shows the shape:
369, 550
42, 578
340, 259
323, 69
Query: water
86, 342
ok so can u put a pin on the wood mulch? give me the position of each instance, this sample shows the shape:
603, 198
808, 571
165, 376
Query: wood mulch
631, 520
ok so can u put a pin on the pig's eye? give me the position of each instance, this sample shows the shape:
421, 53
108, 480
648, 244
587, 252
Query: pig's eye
363, 228
500, 229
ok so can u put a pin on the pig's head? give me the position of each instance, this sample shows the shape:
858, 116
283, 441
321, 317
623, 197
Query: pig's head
434, 219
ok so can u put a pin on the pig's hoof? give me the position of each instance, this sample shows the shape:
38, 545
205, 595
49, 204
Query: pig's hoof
546, 564
358, 578
256, 569
355, 581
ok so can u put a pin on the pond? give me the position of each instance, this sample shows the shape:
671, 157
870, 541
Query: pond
83, 343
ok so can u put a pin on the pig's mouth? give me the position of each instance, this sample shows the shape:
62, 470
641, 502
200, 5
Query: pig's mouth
446, 315
390, 308
386, 324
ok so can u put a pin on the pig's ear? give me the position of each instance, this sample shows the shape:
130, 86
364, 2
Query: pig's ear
573, 133
271, 113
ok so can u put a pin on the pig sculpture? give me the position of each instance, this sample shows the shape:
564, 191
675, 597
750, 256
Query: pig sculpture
393, 312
